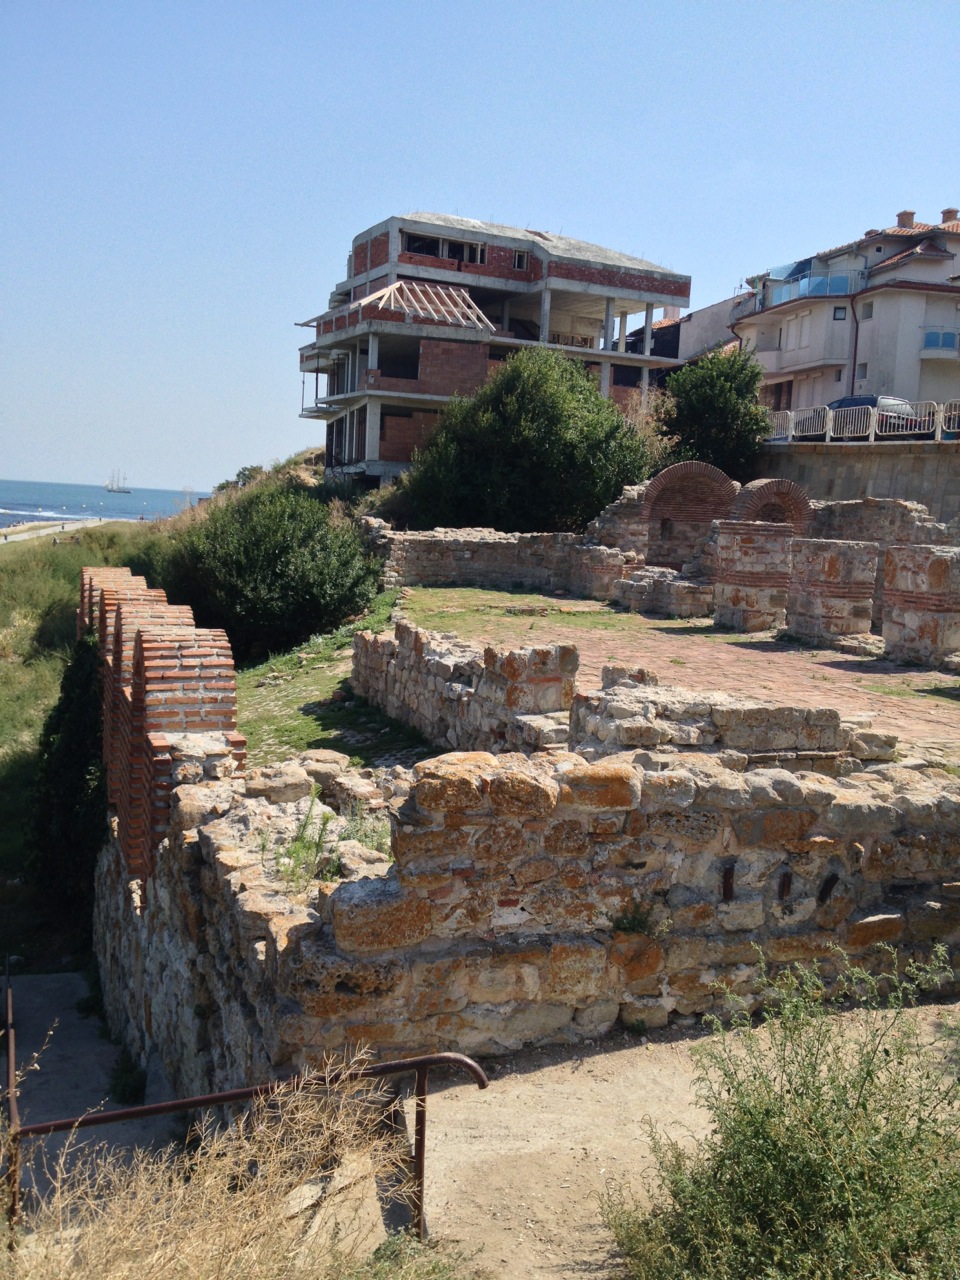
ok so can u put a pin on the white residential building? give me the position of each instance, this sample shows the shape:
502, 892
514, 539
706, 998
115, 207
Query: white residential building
877, 316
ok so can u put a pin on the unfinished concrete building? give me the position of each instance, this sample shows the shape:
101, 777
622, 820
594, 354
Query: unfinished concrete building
431, 303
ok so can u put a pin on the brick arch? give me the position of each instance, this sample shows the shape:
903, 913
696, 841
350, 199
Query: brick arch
678, 507
774, 502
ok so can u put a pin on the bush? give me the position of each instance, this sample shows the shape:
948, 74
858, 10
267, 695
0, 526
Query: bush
271, 568
834, 1151
70, 802
536, 449
712, 413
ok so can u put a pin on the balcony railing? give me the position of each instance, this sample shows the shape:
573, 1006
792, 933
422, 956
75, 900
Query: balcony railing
813, 286
924, 420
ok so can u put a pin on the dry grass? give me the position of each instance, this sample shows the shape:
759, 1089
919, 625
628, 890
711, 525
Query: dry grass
287, 1190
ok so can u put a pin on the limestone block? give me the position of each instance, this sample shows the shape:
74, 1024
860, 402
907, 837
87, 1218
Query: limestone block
882, 927
375, 915
639, 1014
279, 783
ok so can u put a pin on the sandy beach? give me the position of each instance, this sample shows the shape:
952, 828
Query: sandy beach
37, 529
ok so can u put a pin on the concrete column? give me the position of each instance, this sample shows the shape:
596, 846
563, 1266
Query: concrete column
648, 330
622, 335
608, 325
505, 317
605, 379
373, 430
374, 354
647, 350
545, 316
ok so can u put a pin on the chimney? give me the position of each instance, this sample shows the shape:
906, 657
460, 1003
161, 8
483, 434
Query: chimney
905, 219
949, 215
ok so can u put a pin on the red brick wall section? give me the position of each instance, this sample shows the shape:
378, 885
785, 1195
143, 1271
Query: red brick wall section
149, 613
679, 506
617, 278
452, 368
379, 250
400, 436
360, 257
162, 676
775, 502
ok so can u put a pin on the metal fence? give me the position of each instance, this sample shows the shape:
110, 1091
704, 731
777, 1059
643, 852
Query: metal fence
420, 1066
923, 420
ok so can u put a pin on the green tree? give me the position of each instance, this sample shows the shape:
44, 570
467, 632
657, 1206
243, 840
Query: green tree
271, 567
712, 412
537, 448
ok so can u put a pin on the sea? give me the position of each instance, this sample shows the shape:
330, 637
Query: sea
32, 501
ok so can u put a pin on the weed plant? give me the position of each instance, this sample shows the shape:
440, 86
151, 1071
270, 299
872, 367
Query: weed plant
283, 1192
306, 856
370, 829
834, 1151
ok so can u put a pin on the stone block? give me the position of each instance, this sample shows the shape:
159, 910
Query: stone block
882, 927
375, 915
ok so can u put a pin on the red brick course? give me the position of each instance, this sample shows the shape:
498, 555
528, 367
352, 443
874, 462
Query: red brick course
161, 675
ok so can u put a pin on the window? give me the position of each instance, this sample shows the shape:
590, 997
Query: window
804, 339
429, 246
839, 313
867, 313
521, 259
464, 251
837, 375
861, 372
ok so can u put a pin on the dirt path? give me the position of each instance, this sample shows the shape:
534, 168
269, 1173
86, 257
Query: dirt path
514, 1172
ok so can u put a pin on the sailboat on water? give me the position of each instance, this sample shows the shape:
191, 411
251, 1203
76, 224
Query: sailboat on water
117, 483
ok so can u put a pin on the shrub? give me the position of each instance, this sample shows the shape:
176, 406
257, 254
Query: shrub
70, 803
834, 1148
712, 413
272, 568
537, 448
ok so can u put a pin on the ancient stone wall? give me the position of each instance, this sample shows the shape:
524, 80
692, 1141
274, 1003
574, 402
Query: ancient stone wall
465, 698
530, 900
921, 605
753, 566
486, 558
831, 589
634, 711
666, 518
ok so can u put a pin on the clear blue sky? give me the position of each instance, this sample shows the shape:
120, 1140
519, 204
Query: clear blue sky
182, 178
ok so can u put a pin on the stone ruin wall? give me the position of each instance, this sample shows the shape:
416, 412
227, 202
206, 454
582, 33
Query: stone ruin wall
692, 543
464, 698
529, 898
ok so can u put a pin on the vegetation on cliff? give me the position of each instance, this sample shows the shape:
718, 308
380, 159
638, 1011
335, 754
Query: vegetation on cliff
537, 449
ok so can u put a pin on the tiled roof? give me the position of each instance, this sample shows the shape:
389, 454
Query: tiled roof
918, 228
926, 249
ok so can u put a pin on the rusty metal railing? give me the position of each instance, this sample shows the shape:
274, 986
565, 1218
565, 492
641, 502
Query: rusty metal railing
421, 1066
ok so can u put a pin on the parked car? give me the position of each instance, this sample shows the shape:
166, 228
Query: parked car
895, 417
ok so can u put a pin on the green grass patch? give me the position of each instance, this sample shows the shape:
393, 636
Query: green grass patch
303, 700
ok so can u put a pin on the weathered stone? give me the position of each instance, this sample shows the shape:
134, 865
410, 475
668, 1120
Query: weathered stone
883, 927
279, 783
375, 915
